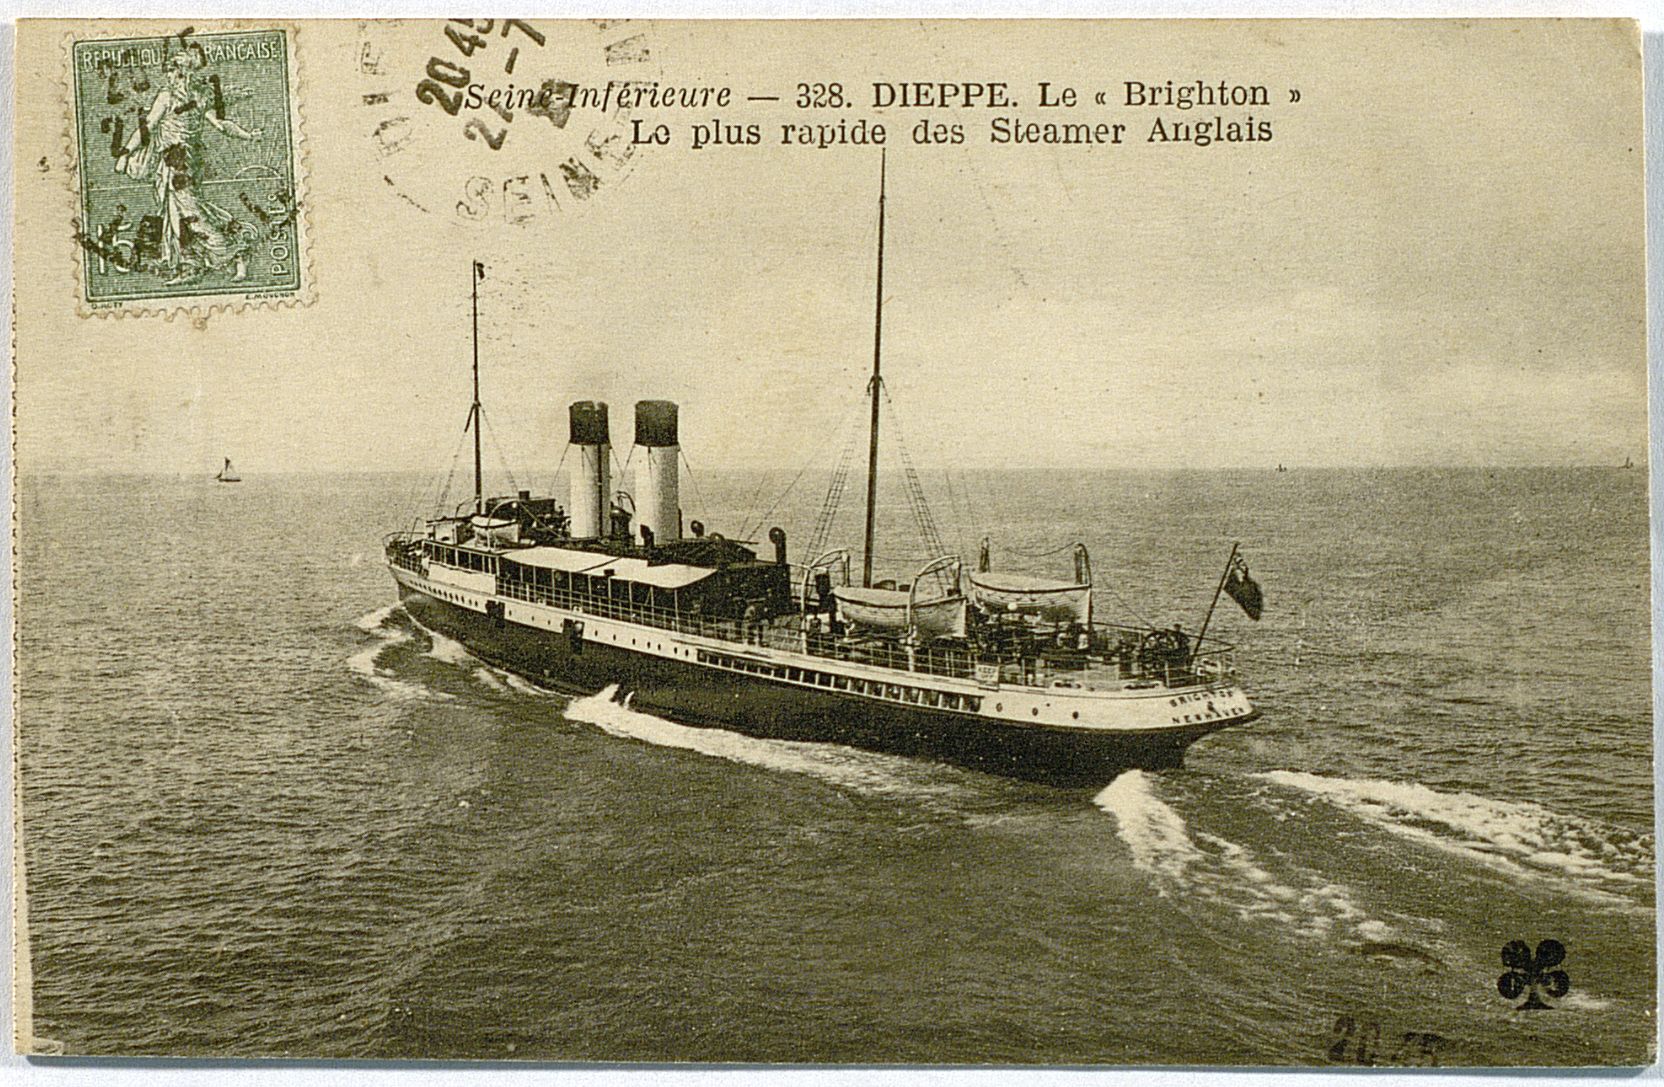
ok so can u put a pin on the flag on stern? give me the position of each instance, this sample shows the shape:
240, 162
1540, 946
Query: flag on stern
479, 271
1244, 589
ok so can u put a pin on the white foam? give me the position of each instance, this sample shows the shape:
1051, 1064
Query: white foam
487, 677
1581, 1001
405, 692
1154, 833
1214, 869
524, 686
446, 649
1519, 836
839, 765
364, 662
373, 621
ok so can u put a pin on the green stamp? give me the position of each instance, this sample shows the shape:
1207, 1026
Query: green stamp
187, 166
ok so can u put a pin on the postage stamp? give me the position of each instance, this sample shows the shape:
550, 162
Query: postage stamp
188, 169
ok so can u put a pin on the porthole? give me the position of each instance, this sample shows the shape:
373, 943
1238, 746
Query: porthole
1075, 715
1034, 711
999, 707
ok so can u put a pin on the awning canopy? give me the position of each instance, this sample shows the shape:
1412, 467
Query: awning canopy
669, 575
558, 558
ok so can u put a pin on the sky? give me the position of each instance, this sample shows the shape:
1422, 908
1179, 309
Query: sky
1436, 260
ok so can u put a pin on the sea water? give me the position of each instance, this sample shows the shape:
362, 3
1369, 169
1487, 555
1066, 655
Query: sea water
265, 813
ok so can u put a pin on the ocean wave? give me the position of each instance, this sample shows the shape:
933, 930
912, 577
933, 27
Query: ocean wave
1206, 867
370, 622
526, 687
1515, 835
1577, 1000
445, 649
491, 679
366, 662
849, 767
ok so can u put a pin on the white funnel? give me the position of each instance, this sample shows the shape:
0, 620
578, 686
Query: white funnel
657, 484
592, 472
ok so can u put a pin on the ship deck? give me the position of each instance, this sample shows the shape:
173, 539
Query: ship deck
1050, 667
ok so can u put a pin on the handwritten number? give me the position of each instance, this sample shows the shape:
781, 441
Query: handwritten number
493, 142
1427, 1046
1344, 1026
1369, 1043
477, 25
433, 94
1355, 1042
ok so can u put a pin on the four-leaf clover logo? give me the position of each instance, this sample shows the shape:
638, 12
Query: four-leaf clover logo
1529, 974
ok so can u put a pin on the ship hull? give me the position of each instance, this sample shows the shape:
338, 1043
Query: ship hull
695, 695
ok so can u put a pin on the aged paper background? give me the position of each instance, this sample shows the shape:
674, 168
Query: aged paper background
1462, 151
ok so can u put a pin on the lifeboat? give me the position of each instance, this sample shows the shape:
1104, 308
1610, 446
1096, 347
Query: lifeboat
1044, 599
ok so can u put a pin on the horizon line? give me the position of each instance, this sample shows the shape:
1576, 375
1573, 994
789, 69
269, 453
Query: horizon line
1270, 469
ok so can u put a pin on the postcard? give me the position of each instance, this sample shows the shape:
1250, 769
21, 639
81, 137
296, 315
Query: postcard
1115, 543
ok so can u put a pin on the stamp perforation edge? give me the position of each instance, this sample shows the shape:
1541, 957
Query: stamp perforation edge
202, 306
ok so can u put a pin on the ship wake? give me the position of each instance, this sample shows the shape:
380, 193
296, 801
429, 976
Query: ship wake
449, 651
384, 626
1198, 866
1520, 838
862, 771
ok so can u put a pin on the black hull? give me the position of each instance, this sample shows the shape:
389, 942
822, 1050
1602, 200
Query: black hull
706, 697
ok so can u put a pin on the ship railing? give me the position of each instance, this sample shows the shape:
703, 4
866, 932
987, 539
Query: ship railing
783, 633
403, 550
1147, 654
787, 633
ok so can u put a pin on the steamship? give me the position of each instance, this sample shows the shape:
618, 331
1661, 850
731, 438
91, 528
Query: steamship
998, 671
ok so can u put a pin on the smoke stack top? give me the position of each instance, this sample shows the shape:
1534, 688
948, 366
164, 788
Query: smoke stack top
589, 423
656, 423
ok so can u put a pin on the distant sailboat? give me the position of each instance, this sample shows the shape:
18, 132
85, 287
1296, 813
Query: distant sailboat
228, 474
1629, 463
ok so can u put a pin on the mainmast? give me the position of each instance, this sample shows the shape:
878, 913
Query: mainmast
474, 414
875, 387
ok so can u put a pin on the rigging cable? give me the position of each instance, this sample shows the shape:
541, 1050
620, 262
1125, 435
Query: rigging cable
555, 478
502, 458
959, 512
698, 497
1045, 553
808, 462
834, 497
926, 522
443, 497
